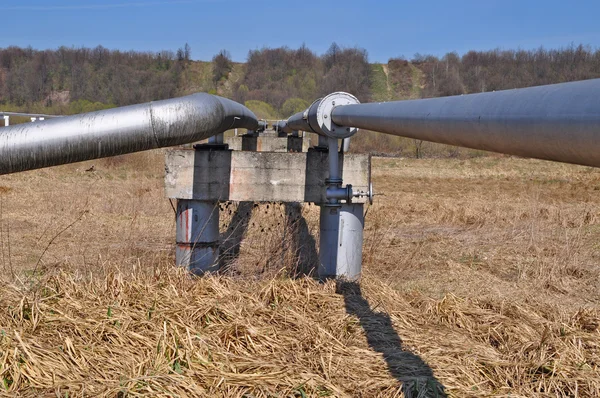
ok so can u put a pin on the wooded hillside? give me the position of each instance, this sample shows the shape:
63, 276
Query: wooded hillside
274, 82
276, 76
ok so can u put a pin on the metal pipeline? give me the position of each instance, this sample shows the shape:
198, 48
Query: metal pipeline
300, 122
559, 122
120, 130
281, 125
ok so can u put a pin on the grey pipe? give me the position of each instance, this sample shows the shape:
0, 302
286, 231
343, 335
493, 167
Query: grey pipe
558, 122
301, 121
298, 122
281, 125
345, 145
118, 131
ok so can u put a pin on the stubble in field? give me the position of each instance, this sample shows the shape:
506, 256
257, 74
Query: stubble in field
480, 279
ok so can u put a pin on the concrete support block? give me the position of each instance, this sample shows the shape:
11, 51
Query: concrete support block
268, 143
249, 143
272, 144
235, 142
199, 179
259, 176
197, 234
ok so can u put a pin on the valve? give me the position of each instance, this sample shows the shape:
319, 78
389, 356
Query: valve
369, 194
347, 193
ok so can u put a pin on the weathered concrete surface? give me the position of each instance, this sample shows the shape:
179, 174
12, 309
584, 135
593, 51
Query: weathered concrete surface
235, 142
258, 176
265, 144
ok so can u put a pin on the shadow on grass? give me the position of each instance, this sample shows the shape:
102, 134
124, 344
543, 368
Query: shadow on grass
415, 375
231, 240
303, 242
298, 239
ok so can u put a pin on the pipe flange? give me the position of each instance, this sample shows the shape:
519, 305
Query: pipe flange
324, 110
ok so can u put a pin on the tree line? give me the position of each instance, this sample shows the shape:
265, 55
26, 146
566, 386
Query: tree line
289, 80
481, 71
282, 80
96, 75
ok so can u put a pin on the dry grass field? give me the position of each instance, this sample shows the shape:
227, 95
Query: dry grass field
481, 278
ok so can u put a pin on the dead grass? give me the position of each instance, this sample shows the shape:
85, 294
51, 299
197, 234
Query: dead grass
480, 279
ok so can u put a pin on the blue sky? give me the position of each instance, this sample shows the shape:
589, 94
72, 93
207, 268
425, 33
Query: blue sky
385, 28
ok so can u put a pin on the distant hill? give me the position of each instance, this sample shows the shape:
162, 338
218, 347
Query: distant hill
30, 78
274, 82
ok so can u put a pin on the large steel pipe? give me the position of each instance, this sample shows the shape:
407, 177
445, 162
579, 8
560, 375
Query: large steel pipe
341, 241
558, 122
118, 131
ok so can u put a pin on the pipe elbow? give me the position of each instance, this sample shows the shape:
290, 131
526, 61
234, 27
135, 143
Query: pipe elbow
236, 115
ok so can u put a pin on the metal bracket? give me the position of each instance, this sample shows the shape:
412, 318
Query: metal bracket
211, 147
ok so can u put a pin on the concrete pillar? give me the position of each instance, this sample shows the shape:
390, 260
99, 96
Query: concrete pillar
249, 142
341, 241
295, 143
197, 235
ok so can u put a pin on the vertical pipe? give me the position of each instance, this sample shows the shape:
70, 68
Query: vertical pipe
341, 228
334, 161
346, 145
329, 219
322, 142
329, 224
197, 234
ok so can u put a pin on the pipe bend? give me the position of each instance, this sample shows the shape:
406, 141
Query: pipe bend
119, 131
237, 115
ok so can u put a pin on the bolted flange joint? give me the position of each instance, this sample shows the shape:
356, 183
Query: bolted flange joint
319, 115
